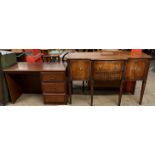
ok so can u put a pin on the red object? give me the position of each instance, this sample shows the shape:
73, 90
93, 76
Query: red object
33, 55
136, 52
130, 86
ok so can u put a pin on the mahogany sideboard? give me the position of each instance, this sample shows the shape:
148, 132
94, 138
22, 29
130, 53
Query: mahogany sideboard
46, 78
137, 66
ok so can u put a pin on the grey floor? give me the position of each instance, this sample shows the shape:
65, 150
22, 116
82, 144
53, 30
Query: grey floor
101, 100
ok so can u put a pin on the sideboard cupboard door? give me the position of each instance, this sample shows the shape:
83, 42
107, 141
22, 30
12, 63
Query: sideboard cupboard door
80, 69
136, 69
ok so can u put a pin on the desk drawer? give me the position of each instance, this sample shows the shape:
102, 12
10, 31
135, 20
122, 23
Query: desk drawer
55, 99
53, 76
53, 87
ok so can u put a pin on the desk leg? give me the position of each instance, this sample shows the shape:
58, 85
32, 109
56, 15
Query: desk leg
1, 91
70, 92
120, 93
92, 91
14, 89
142, 92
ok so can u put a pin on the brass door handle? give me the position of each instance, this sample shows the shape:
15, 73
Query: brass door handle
100, 67
81, 69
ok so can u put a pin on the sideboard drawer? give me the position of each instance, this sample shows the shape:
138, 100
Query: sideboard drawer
107, 70
53, 76
108, 66
58, 87
108, 76
55, 98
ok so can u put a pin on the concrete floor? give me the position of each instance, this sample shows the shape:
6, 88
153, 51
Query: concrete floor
101, 100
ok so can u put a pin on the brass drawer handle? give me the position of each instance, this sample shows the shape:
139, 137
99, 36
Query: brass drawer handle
52, 78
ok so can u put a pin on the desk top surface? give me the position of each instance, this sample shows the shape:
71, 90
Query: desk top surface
36, 67
106, 55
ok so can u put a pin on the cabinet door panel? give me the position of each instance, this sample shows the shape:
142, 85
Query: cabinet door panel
136, 69
80, 69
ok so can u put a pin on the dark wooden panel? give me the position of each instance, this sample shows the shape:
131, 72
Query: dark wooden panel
79, 69
58, 87
14, 88
107, 70
107, 84
55, 98
53, 76
136, 69
128, 87
29, 82
19, 83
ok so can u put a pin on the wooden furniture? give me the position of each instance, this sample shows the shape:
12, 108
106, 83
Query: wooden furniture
79, 70
46, 78
136, 69
7, 59
54, 87
108, 70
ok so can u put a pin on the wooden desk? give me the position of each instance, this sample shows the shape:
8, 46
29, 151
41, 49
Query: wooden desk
132, 71
46, 78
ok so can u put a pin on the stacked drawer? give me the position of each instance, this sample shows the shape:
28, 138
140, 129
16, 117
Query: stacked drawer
54, 87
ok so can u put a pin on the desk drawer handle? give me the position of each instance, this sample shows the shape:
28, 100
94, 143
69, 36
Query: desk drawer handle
52, 78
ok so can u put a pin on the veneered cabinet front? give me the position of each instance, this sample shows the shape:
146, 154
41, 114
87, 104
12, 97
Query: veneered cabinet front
107, 70
136, 69
80, 69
